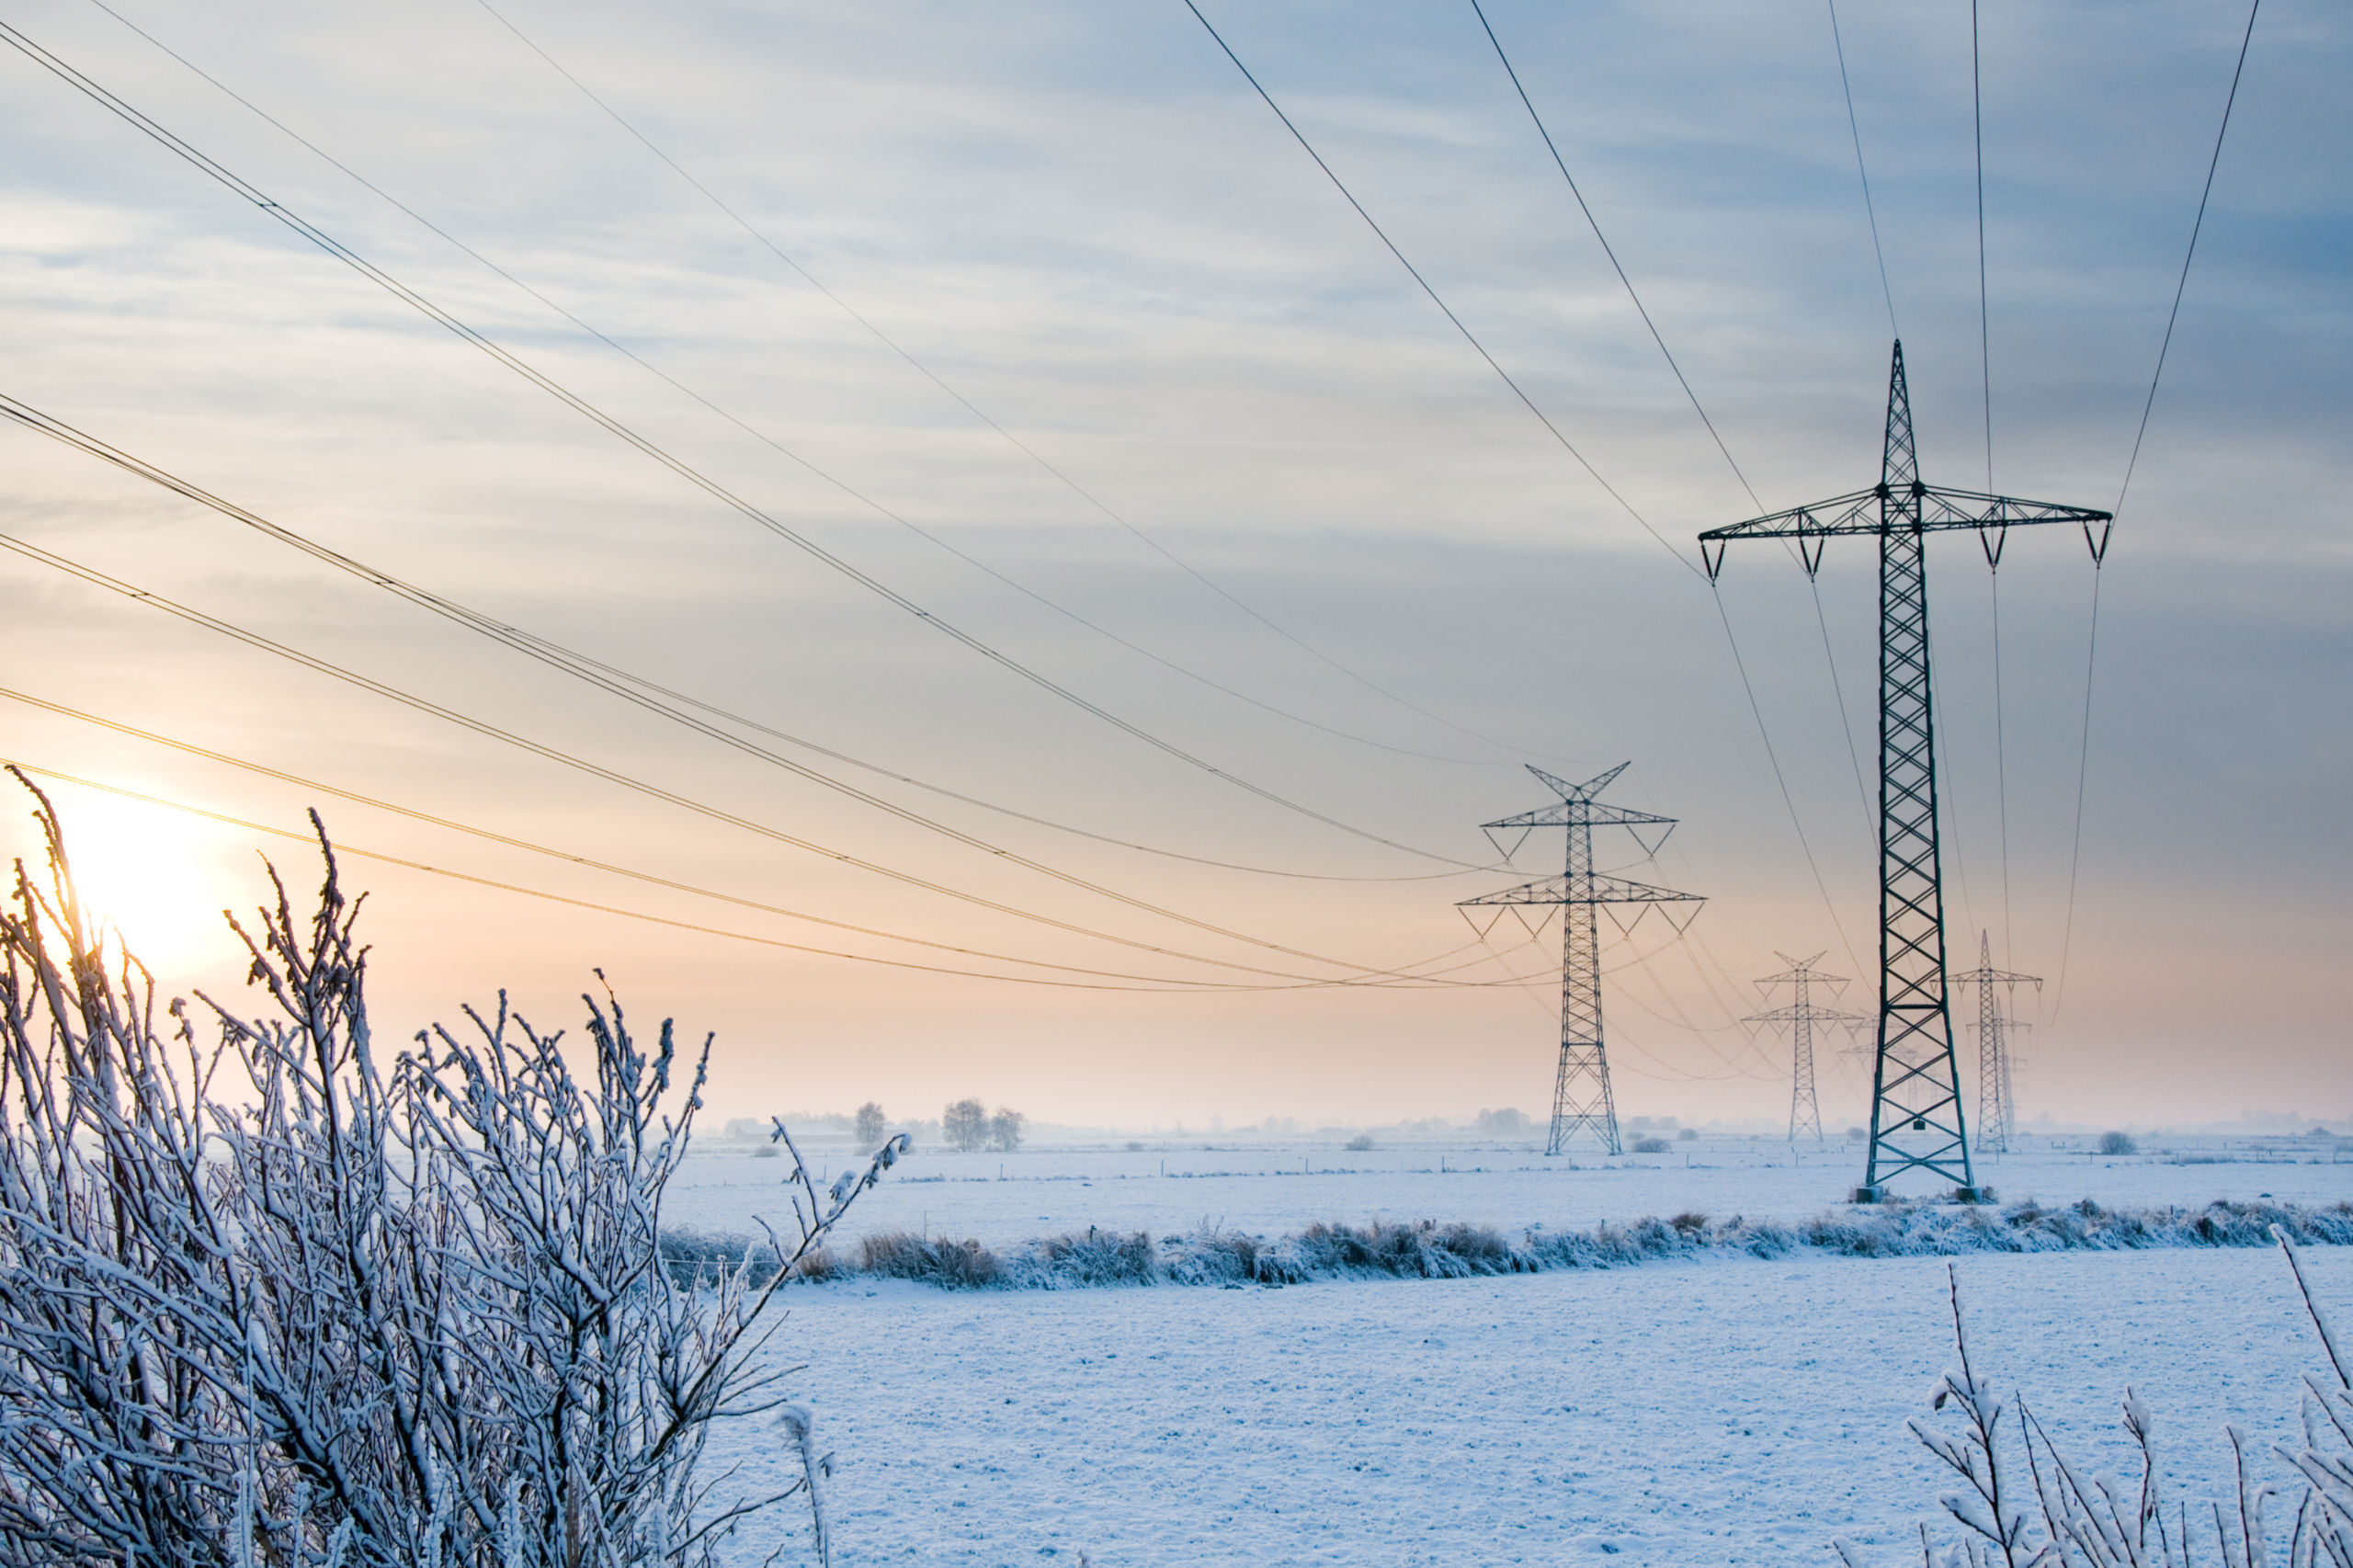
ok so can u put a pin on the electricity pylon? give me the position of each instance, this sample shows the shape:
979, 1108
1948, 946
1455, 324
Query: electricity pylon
1802, 1015
1917, 1121
1997, 1106
1582, 1101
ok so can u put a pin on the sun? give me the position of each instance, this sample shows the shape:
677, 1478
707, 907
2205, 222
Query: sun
155, 877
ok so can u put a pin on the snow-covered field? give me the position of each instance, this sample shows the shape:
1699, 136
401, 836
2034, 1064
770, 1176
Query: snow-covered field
1003, 1200
1729, 1410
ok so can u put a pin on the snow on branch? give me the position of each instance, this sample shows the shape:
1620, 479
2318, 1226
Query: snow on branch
332, 1314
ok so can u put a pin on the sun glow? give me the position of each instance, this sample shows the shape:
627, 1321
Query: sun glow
157, 881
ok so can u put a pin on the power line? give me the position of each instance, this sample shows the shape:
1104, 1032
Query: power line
633, 688
976, 411
1846, 724
1159, 985
1887, 293
1985, 330
1470, 337
1595, 223
2091, 656
1856, 130
764, 439
1789, 801
246, 191
2001, 762
2083, 774
254, 639
593, 864
2187, 256
314, 786
1447, 310
1993, 551
1837, 690
1669, 1073
1419, 971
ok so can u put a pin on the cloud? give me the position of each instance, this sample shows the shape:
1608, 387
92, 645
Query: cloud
1082, 220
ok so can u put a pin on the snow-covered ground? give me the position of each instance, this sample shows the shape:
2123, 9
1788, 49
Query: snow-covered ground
1729, 1410
1003, 1200
1696, 1413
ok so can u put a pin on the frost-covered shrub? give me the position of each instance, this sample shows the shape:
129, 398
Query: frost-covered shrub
1423, 1251
2118, 1143
1211, 1256
2021, 1501
1098, 1257
899, 1255
695, 1257
1649, 1146
1479, 1247
1427, 1250
337, 1312
1361, 1143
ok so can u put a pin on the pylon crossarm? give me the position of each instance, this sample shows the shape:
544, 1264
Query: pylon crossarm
1923, 508
1855, 514
1585, 791
1577, 812
1995, 977
1942, 508
1587, 889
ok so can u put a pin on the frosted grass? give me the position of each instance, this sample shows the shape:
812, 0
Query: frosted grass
1211, 1256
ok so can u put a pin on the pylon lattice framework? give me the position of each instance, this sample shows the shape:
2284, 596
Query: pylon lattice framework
1916, 1121
1997, 1106
1582, 1099
1802, 1017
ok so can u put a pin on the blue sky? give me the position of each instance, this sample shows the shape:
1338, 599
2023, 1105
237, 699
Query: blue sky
1082, 220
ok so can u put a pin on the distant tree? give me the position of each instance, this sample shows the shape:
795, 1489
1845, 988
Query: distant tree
871, 1124
1005, 1129
964, 1126
1360, 1144
1504, 1123
2118, 1143
1689, 1135
1650, 1146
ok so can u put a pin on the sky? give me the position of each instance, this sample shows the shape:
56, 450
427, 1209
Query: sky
1117, 593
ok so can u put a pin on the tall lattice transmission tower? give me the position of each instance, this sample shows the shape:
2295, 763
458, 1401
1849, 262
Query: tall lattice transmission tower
1802, 1017
1917, 1121
1582, 1100
1997, 1106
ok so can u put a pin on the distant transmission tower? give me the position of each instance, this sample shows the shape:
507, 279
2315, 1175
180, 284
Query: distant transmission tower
1997, 1106
1803, 1016
1581, 1096
1916, 1122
